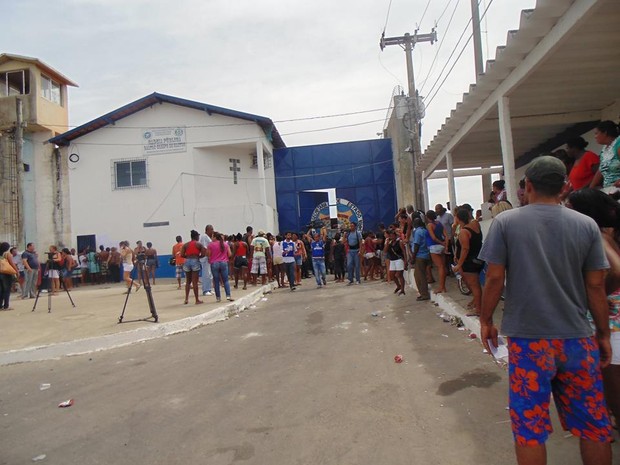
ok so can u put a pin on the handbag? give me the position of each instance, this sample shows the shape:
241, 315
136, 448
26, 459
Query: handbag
6, 268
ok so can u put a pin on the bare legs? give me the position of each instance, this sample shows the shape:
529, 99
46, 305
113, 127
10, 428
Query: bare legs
439, 262
592, 453
611, 382
473, 282
399, 280
127, 278
191, 280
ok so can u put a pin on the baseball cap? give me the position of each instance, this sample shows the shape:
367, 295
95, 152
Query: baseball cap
261, 233
467, 206
546, 170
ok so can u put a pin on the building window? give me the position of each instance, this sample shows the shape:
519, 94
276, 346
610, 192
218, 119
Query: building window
266, 160
15, 83
129, 174
50, 90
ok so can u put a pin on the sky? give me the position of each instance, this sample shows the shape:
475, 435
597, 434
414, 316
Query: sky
316, 62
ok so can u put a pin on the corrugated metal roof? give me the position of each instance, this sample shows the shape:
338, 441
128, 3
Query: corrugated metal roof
110, 118
569, 85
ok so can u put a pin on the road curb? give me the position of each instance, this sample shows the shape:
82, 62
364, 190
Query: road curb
111, 341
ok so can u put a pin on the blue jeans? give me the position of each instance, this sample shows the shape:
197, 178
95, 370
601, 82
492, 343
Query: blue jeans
207, 277
290, 273
220, 272
318, 265
353, 261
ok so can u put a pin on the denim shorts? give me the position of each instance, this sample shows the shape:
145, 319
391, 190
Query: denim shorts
191, 264
436, 249
298, 260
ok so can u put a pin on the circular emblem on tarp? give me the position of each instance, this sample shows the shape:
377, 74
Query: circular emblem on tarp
347, 213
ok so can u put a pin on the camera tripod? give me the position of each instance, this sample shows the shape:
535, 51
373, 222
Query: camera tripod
146, 284
48, 268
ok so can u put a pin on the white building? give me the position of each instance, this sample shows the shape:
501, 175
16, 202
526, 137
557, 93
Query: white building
161, 166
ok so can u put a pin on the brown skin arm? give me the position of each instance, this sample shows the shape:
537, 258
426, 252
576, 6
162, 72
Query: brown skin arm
597, 180
491, 294
597, 304
464, 237
9, 259
612, 280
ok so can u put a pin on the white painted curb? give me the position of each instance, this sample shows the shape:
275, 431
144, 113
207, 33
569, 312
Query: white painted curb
111, 341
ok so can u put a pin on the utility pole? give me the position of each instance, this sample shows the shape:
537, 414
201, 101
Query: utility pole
408, 42
475, 21
19, 165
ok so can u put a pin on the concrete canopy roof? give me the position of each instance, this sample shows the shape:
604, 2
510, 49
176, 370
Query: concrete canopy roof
559, 69
5, 57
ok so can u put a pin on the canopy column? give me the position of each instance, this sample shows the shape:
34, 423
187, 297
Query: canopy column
451, 186
508, 156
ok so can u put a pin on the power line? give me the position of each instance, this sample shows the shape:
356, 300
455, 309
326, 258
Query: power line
243, 139
444, 11
457, 58
248, 123
451, 55
387, 16
430, 70
424, 13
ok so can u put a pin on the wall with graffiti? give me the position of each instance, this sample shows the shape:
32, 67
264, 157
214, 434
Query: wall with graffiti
362, 173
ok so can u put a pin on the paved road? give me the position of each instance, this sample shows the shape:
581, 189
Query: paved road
303, 378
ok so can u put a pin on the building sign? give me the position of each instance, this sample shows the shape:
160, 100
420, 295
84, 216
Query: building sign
163, 140
347, 213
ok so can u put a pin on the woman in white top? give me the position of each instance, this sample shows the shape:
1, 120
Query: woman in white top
127, 261
278, 269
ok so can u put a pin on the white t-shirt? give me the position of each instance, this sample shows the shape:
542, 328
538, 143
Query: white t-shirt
277, 249
205, 241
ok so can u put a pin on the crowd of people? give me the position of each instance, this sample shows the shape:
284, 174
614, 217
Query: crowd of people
556, 259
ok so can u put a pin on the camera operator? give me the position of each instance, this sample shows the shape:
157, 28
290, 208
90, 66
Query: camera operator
54, 265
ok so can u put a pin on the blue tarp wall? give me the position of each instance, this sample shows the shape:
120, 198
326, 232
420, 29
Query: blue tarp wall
361, 172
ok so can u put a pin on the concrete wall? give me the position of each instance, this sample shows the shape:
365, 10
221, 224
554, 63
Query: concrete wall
187, 189
37, 111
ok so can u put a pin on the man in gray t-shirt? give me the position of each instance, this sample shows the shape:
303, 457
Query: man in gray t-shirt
554, 266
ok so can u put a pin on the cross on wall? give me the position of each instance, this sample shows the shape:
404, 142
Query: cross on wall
235, 168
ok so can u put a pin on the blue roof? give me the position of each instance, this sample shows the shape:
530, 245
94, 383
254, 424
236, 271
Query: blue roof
110, 118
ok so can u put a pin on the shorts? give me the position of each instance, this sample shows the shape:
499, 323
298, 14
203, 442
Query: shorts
191, 264
178, 271
567, 368
259, 265
277, 261
397, 265
54, 274
615, 348
127, 268
298, 260
240, 262
436, 249
471, 267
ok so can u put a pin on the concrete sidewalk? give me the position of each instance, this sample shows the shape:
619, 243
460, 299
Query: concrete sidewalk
93, 324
